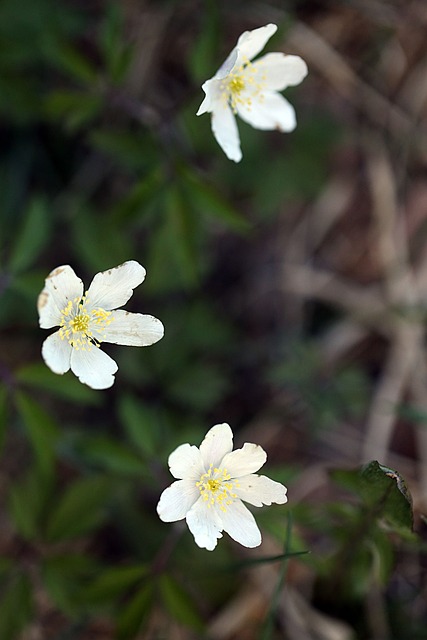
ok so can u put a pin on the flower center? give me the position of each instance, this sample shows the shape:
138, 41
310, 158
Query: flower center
216, 487
77, 322
242, 85
236, 84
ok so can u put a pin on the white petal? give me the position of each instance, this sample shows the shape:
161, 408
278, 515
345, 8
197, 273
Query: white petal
217, 443
61, 285
57, 353
93, 367
240, 524
205, 525
177, 500
252, 42
186, 462
270, 111
276, 71
259, 490
243, 461
112, 288
212, 89
131, 329
228, 65
225, 130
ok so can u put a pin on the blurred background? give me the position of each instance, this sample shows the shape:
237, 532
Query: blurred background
292, 288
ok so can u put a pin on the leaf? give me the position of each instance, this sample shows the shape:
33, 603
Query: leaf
74, 108
27, 502
111, 455
139, 423
179, 603
133, 614
117, 52
203, 55
207, 200
41, 429
64, 577
135, 151
39, 376
32, 237
16, 607
134, 203
112, 582
80, 509
76, 64
383, 491
3, 414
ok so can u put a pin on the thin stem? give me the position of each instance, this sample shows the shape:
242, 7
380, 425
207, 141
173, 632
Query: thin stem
266, 633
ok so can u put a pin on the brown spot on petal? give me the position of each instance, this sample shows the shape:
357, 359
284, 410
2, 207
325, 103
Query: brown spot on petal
56, 272
42, 300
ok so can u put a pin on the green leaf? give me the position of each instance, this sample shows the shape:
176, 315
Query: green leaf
111, 455
203, 56
64, 577
134, 203
75, 108
77, 65
133, 614
27, 502
133, 150
39, 376
32, 237
80, 509
139, 423
41, 430
383, 491
117, 52
16, 607
113, 582
207, 200
179, 604
199, 385
3, 414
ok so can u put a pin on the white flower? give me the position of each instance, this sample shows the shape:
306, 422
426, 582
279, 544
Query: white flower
86, 320
250, 90
212, 482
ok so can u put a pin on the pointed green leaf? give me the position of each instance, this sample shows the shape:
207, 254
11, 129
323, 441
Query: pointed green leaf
113, 582
16, 607
134, 614
111, 455
139, 423
32, 237
80, 509
207, 200
41, 429
39, 376
27, 502
383, 491
179, 604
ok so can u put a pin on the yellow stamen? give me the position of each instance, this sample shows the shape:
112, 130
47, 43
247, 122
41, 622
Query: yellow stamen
215, 488
76, 321
234, 88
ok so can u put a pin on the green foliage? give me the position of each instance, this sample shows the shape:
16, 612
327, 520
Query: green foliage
33, 236
16, 606
179, 604
104, 161
81, 508
38, 377
383, 492
42, 431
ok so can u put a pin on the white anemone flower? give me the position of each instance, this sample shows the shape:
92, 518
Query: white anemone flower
87, 319
250, 90
211, 483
